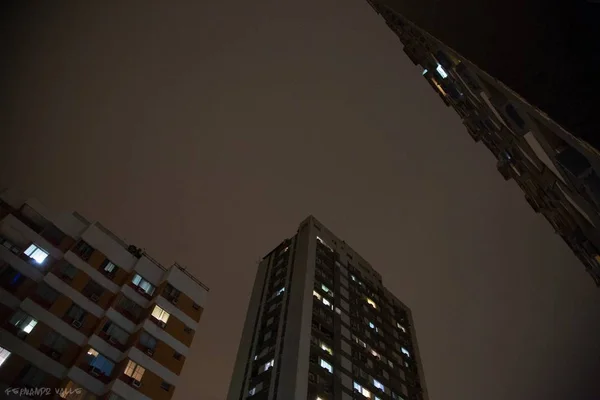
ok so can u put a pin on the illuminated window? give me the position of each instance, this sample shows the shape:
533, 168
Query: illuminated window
4, 354
160, 314
326, 302
325, 289
326, 365
403, 329
326, 348
109, 267
317, 295
372, 326
425, 71
255, 389
143, 284
36, 253
362, 390
371, 303
134, 370
378, 384
405, 352
441, 71
280, 291
23, 321
375, 354
100, 364
337, 310
391, 364
266, 367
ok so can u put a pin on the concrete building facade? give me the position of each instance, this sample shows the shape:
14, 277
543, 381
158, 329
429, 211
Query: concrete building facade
321, 326
83, 314
557, 171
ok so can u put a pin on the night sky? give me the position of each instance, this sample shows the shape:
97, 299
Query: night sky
205, 132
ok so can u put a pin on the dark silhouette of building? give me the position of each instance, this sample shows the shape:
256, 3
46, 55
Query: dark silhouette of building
321, 326
556, 169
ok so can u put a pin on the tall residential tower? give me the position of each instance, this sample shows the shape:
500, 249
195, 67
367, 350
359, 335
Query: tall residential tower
321, 326
86, 314
558, 171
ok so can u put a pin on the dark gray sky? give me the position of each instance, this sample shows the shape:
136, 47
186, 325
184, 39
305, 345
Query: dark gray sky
205, 132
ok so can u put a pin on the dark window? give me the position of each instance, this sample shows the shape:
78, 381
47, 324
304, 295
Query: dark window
76, 313
53, 235
165, 386
9, 277
514, 115
55, 342
31, 377
170, 293
177, 356
147, 340
93, 291
573, 161
47, 294
187, 329
196, 306
67, 271
83, 250
129, 307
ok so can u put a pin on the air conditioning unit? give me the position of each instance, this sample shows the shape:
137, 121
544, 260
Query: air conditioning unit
136, 384
76, 324
162, 324
112, 340
94, 298
55, 355
174, 300
311, 377
95, 371
150, 352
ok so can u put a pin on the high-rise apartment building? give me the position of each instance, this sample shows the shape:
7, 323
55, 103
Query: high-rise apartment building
557, 171
86, 314
321, 326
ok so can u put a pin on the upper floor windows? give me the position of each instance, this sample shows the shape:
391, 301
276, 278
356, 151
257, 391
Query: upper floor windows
161, 315
99, 364
45, 294
326, 348
83, 250
75, 315
10, 277
143, 285
109, 268
134, 371
325, 365
130, 308
405, 351
255, 389
371, 303
36, 253
148, 342
23, 322
92, 290
403, 329
266, 366
66, 271
171, 293
360, 389
4, 354
115, 333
